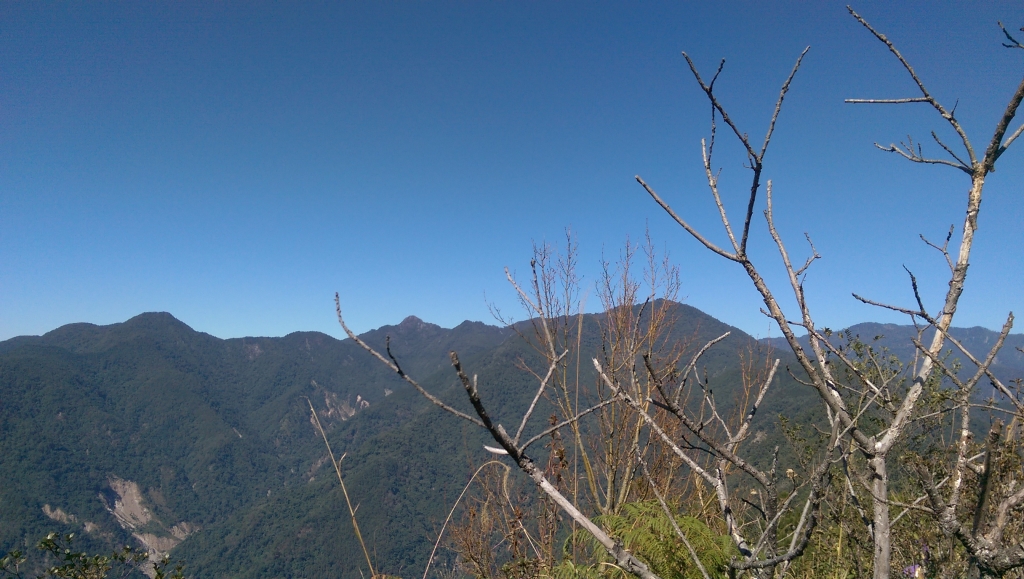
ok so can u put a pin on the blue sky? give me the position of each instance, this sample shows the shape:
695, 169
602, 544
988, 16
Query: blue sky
236, 164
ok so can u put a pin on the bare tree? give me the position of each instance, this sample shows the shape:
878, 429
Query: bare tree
650, 409
874, 444
653, 407
515, 445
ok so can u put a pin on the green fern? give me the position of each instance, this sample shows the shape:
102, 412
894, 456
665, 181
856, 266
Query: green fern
646, 531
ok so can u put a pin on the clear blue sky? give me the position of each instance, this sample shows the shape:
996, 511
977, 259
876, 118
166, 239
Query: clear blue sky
235, 164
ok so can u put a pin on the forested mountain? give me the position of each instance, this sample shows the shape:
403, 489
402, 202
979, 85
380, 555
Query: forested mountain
153, 429
898, 340
150, 432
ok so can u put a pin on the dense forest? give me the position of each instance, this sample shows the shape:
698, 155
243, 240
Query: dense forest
213, 439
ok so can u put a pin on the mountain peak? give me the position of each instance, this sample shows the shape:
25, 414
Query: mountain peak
154, 321
411, 323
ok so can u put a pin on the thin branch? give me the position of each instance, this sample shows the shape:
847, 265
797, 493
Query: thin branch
990, 408
992, 377
913, 286
920, 85
810, 260
764, 150
811, 509
622, 557
1012, 137
886, 101
566, 422
948, 150
713, 184
1014, 42
910, 155
996, 147
654, 425
995, 381
887, 306
770, 524
397, 369
724, 451
944, 250
344, 491
742, 433
714, 101
778, 107
543, 386
684, 224
430, 560
671, 518
693, 362
907, 509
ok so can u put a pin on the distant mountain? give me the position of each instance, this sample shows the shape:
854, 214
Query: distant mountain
150, 432
1008, 365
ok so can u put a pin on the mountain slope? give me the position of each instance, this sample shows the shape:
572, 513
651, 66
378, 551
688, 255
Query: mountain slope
205, 447
898, 339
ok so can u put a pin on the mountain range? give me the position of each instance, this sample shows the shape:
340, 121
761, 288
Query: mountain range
150, 433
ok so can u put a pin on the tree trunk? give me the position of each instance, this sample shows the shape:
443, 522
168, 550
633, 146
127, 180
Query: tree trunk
879, 499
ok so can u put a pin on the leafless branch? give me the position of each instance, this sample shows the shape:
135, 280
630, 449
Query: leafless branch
622, 557
907, 152
984, 551
670, 516
543, 385
764, 149
992, 377
721, 110
713, 185
693, 362
337, 469
944, 250
566, 422
810, 260
715, 481
778, 107
706, 243
887, 306
917, 501
886, 101
538, 307
745, 426
875, 448
1003, 511
950, 151
1014, 43
996, 146
913, 286
920, 85
1009, 140
810, 514
397, 369
724, 450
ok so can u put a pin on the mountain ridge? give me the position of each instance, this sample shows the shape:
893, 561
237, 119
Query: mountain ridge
215, 434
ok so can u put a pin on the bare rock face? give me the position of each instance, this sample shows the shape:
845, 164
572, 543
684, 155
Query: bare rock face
252, 351
338, 408
57, 514
183, 529
126, 502
127, 506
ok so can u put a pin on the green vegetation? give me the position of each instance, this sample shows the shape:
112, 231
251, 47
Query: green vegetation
644, 529
216, 434
59, 559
